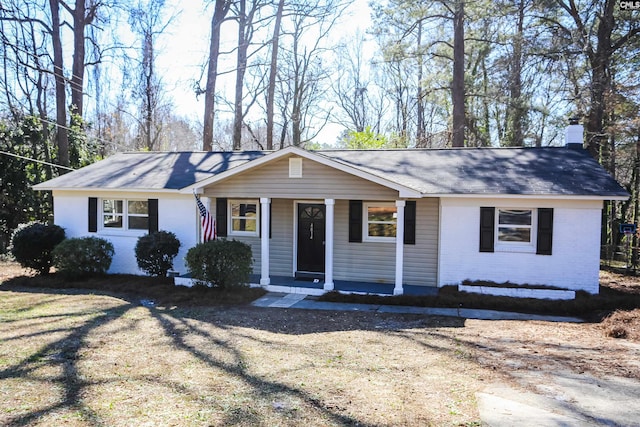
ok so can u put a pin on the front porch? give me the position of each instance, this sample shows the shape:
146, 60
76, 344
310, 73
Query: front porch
291, 285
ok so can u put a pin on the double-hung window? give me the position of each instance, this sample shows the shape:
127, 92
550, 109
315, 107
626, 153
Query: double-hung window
119, 214
515, 228
243, 217
381, 221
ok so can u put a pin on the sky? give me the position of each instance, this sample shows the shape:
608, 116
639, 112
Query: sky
185, 48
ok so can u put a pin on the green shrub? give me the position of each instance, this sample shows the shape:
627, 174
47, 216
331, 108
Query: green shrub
81, 257
221, 263
155, 252
32, 243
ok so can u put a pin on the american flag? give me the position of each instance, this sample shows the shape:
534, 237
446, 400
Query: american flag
208, 223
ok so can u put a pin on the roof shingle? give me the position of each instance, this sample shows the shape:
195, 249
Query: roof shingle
482, 171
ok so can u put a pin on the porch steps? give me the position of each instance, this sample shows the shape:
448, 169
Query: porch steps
287, 301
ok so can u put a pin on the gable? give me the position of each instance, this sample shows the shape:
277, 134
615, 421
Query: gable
317, 181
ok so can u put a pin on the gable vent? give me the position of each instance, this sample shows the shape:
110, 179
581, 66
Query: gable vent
295, 167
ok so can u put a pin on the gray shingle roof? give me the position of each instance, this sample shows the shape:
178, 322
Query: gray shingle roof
530, 171
483, 171
151, 170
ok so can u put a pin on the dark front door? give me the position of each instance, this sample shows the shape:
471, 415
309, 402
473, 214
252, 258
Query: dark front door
311, 235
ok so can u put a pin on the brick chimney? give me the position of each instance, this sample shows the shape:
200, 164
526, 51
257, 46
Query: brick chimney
574, 135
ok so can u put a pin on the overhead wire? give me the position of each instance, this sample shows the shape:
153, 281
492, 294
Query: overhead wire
35, 160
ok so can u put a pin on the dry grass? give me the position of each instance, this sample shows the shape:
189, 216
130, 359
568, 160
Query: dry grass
76, 357
79, 357
72, 358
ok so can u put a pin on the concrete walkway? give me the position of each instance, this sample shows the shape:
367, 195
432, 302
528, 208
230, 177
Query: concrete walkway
280, 300
563, 399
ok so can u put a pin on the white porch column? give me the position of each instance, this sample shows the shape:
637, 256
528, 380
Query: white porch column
328, 244
264, 241
397, 290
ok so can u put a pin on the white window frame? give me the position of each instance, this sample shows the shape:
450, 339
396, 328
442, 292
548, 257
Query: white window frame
505, 246
125, 216
230, 217
365, 222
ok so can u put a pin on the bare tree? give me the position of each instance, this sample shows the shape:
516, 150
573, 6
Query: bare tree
221, 8
302, 72
246, 29
271, 88
457, 84
598, 36
62, 136
84, 13
148, 21
354, 92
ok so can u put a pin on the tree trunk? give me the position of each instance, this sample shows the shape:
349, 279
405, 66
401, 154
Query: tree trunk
271, 90
457, 87
221, 9
600, 84
516, 111
420, 131
149, 107
77, 78
636, 204
241, 66
62, 136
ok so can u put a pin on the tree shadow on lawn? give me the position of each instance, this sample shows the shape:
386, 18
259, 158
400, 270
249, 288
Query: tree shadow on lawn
265, 390
62, 353
178, 326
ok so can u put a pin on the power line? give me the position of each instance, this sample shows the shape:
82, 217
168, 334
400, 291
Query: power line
97, 138
35, 160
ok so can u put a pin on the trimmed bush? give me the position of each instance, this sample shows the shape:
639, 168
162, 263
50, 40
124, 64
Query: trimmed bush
81, 257
155, 252
32, 243
221, 263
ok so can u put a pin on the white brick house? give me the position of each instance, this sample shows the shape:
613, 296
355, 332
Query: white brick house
407, 220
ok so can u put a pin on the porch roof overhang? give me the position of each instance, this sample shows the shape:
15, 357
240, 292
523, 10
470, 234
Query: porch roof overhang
403, 190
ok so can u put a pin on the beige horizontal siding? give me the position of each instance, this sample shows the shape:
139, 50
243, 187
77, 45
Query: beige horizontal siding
421, 259
366, 261
318, 182
281, 244
375, 261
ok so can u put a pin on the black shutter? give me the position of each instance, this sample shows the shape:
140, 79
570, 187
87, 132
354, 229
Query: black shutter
221, 216
545, 231
93, 214
355, 221
410, 223
153, 215
270, 217
487, 224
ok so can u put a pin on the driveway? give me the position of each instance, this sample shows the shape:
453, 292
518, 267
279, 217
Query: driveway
555, 374
558, 372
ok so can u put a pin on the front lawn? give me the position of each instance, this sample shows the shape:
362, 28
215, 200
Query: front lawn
84, 357
74, 358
